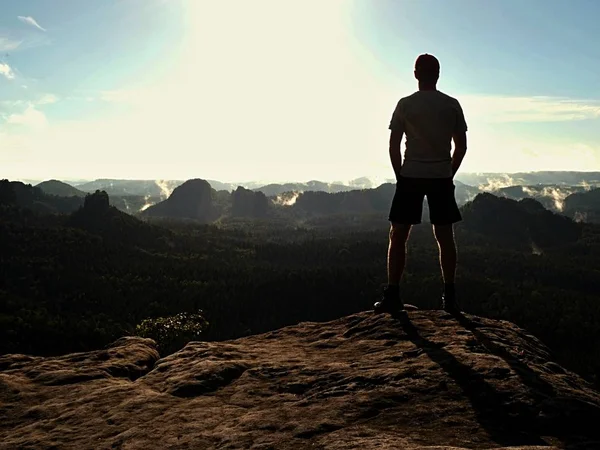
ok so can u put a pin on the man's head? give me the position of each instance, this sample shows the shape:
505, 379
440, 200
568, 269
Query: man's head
427, 68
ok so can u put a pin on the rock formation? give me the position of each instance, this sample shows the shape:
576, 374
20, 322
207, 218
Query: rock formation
191, 200
247, 203
517, 224
33, 198
98, 217
584, 206
362, 381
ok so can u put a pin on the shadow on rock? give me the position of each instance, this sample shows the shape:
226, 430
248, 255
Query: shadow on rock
555, 415
506, 425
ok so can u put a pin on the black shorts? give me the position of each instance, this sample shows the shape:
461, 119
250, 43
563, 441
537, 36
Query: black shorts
407, 206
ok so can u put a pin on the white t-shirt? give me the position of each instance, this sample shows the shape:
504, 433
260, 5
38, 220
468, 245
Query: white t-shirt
429, 118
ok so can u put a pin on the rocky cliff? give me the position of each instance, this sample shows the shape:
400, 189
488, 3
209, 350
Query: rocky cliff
191, 200
362, 381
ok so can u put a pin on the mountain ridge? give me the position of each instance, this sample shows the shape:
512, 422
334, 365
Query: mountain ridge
577, 202
59, 188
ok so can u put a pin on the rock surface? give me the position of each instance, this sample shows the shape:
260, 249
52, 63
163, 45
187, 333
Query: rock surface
362, 381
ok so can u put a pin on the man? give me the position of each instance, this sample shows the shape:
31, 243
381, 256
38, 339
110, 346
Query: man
431, 121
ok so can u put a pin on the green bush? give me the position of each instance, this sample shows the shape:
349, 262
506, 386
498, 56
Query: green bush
173, 332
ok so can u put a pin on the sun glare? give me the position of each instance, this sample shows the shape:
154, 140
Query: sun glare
280, 80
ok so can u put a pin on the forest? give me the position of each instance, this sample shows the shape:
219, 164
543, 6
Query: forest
77, 281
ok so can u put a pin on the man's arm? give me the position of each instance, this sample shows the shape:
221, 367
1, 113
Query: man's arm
460, 149
397, 128
395, 151
460, 139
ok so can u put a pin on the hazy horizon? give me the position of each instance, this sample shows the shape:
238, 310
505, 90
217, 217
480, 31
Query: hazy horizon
303, 90
484, 180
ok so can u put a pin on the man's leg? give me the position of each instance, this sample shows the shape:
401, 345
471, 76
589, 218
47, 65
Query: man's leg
444, 234
396, 260
406, 209
396, 257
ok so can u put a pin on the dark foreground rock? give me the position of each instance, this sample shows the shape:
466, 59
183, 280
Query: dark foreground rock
362, 381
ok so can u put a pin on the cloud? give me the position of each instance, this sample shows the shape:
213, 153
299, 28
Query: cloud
31, 118
8, 45
9, 105
31, 21
6, 70
529, 109
47, 99
26, 40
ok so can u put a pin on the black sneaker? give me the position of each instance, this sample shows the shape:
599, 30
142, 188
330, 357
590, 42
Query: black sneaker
390, 303
449, 303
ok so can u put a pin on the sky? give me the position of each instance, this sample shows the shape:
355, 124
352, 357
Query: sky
288, 90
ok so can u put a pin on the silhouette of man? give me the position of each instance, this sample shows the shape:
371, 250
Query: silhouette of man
431, 120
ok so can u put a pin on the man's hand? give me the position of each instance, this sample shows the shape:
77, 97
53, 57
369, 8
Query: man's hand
395, 151
460, 149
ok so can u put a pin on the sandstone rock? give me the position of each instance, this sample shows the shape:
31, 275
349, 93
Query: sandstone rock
362, 381
247, 203
191, 200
